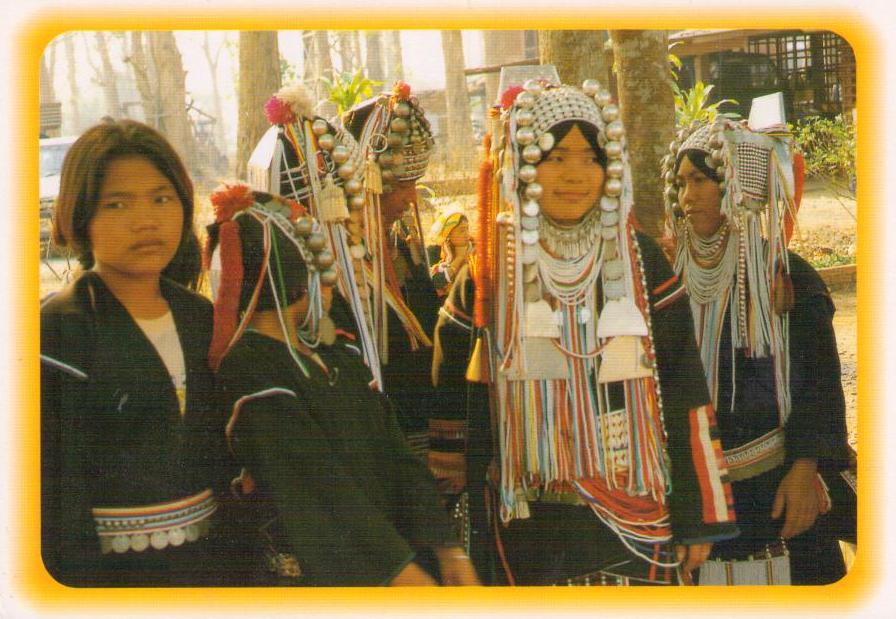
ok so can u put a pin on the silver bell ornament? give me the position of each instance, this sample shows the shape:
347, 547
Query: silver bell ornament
319, 126
326, 141
590, 87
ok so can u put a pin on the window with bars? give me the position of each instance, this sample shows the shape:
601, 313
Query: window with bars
810, 64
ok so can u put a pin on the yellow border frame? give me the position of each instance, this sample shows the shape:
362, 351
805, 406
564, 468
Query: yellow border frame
36, 588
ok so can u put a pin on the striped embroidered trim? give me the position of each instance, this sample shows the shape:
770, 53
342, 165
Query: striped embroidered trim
709, 464
59, 365
756, 457
670, 298
237, 406
665, 285
158, 525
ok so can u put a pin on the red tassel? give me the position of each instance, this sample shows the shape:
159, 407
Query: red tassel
799, 179
482, 275
227, 302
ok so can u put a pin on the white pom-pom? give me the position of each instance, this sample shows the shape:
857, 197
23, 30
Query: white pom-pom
298, 98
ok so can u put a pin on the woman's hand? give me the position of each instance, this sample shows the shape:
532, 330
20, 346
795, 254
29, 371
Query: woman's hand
413, 576
691, 557
797, 498
456, 568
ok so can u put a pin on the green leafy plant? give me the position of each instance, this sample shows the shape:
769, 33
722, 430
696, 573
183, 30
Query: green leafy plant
828, 145
349, 88
693, 105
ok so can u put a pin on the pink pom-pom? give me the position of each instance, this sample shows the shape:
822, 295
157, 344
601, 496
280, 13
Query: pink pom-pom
278, 112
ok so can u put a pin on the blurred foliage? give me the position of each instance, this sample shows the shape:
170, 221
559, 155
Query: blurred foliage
347, 88
829, 147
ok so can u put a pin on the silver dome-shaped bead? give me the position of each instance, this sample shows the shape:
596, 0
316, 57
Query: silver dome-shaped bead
591, 87
399, 125
603, 98
324, 259
615, 130
525, 135
353, 186
613, 187
346, 171
304, 226
613, 149
319, 126
525, 99
546, 141
329, 277
531, 208
326, 141
357, 202
532, 154
534, 191
528, 173
609, 203
610, 113
524, 118
394, 140
615, 169
316, 242
340, 153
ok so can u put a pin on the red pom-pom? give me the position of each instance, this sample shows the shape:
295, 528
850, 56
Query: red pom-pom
230, 199
279, 112
296, 209
509, 96
401, 90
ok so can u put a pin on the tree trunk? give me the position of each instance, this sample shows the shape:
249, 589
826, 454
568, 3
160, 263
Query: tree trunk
107, 79
259, 79
394, 63
500, 46
355, 41
577, 54
48, 74
374, 56
344, 40
73, 100
648, 111
457, 103
170, 75
144, 79
217, 108
322, 52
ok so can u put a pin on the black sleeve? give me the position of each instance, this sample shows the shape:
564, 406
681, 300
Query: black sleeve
68, 534
816, 427
701, 503
339, 536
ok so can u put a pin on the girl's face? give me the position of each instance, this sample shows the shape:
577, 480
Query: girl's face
460, 235
138, 222
700, 197
572, 179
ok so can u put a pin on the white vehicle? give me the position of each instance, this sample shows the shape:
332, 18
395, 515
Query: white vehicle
52, 153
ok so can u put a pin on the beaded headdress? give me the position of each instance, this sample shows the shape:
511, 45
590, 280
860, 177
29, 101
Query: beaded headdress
238, 210
393, 132
743, 268
570, 316
306, 158
445, 223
